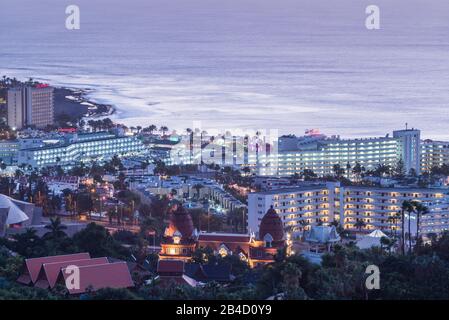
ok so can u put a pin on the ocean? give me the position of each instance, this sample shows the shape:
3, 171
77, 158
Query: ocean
289, 65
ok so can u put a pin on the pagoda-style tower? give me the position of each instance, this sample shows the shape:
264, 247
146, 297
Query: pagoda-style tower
179, 239
270, 239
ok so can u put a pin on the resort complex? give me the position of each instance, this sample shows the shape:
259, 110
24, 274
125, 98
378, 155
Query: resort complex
353, 207
143, 210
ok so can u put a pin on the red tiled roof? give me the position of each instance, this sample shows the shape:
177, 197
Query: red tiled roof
110, 275
170, 266
233, 242
224, 238
24, 278
50, 271
182, 221
33, 265
235, 247
271, 224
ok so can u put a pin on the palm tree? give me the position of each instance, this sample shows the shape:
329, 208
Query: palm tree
151, 128
56, 229
92, 124
164, 129
359, 224
308, 174
30, 233
384, 170
348, 170
357, 170
389, 243
393, 220
81, 123
384, 241
406, 206
410, 211
420, 210
338, 170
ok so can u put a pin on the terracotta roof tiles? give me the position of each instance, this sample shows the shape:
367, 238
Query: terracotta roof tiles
33, 265
50, 271
95, 277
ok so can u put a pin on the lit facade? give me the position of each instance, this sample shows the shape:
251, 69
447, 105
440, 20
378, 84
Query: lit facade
319, 154
40, 106
367, 152
30, 106
434, 154
181, 240
409, 148
302, 207
84, 147
16, 108
9, 151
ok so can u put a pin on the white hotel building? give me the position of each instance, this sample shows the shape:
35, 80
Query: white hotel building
313, 151
319, 153
302, 207
80, 147
367, 152
434, 154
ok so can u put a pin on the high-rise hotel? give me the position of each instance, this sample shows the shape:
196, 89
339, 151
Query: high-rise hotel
30, 106
319, 153
378, 208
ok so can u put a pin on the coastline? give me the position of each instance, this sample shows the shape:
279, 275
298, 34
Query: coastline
77, 104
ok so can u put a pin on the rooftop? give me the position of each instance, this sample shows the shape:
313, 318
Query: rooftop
33, 265
95, 277
66, 143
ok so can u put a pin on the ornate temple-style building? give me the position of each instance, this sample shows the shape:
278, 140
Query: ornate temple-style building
181, 239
